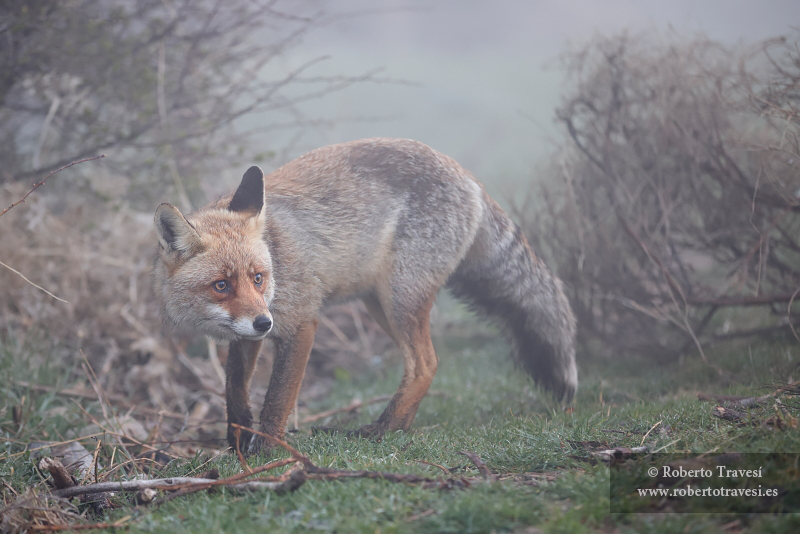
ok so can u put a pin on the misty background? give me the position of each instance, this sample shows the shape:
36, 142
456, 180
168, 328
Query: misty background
484, 78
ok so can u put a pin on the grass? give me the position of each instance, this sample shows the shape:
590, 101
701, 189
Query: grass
540, 452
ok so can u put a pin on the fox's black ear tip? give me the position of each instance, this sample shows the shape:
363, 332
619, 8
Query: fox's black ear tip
250, 194
253, 172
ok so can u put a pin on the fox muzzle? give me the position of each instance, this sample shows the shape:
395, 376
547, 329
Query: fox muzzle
262, 323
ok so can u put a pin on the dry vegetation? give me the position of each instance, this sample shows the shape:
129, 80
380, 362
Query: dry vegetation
97, 258
673, 203
158, 87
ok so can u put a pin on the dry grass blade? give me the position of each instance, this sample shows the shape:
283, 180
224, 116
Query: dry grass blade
32, 511
118, 400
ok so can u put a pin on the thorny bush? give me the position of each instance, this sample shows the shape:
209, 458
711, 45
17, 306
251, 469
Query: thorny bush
673, 202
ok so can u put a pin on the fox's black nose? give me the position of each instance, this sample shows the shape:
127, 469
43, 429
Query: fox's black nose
262, 323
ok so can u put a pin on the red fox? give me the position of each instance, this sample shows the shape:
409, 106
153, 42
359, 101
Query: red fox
387, 221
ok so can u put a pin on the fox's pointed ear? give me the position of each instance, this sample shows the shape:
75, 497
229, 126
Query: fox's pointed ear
175, 233
250, 194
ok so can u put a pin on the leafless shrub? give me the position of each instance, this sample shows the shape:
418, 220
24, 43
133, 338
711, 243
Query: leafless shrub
103, 271
161, 87
673, 201
172, 93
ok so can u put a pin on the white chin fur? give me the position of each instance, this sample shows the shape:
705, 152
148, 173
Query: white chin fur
243, 327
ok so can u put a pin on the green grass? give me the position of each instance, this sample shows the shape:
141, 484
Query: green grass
485, 406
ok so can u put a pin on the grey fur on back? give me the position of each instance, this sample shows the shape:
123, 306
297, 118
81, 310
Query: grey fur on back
395, 218
444, 228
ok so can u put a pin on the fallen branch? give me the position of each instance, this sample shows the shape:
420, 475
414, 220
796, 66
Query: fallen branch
618, 453
279, 485
61, 477
728, 414
355, 404
314, 472
174, 483
147, 490
736, 401
476, 460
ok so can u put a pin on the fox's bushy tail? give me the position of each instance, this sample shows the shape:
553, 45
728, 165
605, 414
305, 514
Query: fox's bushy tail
501, 276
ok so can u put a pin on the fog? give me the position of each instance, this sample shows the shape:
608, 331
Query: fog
484, 77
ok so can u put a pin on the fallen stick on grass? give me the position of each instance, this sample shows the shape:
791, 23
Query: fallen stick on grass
618, 453
289, 481
173, 483
476, 460
315, 472
736, 401
355, 404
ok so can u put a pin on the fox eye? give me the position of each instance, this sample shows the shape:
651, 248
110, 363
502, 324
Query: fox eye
258, 278
221, 285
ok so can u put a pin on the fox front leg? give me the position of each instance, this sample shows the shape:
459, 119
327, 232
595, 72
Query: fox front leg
291, 357
241, 364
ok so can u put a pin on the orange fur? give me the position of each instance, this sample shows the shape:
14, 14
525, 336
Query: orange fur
387, 221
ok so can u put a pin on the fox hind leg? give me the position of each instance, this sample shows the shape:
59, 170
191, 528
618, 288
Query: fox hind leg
407, 321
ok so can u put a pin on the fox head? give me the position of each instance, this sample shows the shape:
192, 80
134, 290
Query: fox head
213, 272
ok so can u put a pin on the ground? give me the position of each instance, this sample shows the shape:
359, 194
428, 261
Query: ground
544, 477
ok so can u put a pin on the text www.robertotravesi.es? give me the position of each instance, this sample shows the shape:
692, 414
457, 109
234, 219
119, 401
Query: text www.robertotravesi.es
689, 491
721, 471
736, 482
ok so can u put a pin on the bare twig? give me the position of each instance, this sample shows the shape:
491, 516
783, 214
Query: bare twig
736, 401
272, 440
28, 281
315, 472
355, 404
476, 460
174, 483
618, 453
237, 434
37, 185
443, 468
648, 432
111, 398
